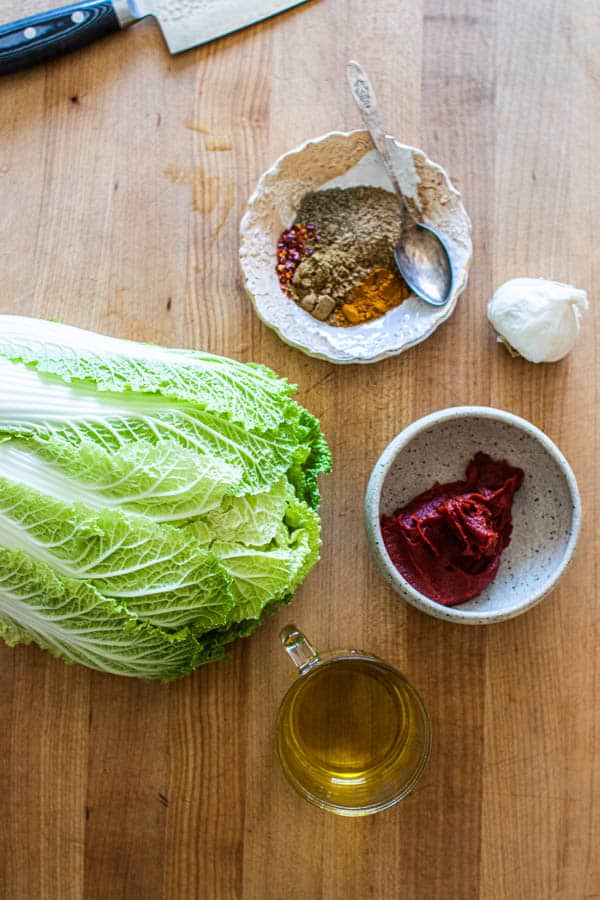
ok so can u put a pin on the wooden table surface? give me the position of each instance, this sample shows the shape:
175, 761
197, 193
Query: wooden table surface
123, 176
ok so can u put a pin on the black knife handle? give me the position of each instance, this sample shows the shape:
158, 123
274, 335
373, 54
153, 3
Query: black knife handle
46, 35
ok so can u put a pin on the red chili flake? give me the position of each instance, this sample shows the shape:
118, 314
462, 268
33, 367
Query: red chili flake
291, 250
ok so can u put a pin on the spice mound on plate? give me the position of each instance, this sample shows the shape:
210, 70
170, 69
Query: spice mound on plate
448, 541
337, 261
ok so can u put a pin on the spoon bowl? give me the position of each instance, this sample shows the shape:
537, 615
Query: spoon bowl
423, 261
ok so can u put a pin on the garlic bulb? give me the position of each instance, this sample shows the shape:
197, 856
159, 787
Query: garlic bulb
537, 318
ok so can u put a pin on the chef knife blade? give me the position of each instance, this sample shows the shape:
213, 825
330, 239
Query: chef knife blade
184, 24
187, 23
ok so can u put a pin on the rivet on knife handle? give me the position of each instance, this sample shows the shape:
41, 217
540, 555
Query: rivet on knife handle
44, 36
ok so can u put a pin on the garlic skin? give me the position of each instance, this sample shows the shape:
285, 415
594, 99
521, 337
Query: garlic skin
537, 318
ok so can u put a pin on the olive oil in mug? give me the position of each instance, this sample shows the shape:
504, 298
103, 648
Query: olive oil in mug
353, 736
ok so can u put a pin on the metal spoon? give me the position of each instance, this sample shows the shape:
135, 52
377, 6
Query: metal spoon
421, 256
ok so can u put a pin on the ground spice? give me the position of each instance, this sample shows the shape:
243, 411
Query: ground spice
381, 291
358, 228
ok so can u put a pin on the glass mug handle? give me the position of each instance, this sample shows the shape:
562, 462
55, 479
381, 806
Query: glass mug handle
298, 648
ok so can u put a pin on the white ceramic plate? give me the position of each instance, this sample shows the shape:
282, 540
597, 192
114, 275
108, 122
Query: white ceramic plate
342, 159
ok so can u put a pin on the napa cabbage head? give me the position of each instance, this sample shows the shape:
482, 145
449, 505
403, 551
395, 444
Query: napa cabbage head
162, 497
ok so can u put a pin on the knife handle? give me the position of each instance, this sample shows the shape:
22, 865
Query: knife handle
39, 38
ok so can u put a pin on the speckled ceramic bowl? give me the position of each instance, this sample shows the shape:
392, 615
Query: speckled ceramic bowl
346, 160
546, 509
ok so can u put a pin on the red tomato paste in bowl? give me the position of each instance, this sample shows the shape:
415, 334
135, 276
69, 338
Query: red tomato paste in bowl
448, 541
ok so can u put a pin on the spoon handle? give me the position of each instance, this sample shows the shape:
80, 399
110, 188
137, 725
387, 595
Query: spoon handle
366, 101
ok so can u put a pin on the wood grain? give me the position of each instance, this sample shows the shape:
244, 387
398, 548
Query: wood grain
123, 176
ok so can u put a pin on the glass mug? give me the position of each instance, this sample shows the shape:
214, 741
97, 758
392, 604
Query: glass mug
353, 736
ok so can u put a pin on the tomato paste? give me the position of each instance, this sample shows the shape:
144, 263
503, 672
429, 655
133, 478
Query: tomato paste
447, 542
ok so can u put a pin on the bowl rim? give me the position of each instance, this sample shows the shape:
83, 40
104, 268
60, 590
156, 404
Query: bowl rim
461, 277
373, 527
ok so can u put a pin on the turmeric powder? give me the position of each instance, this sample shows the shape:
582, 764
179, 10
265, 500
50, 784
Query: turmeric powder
379, 292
